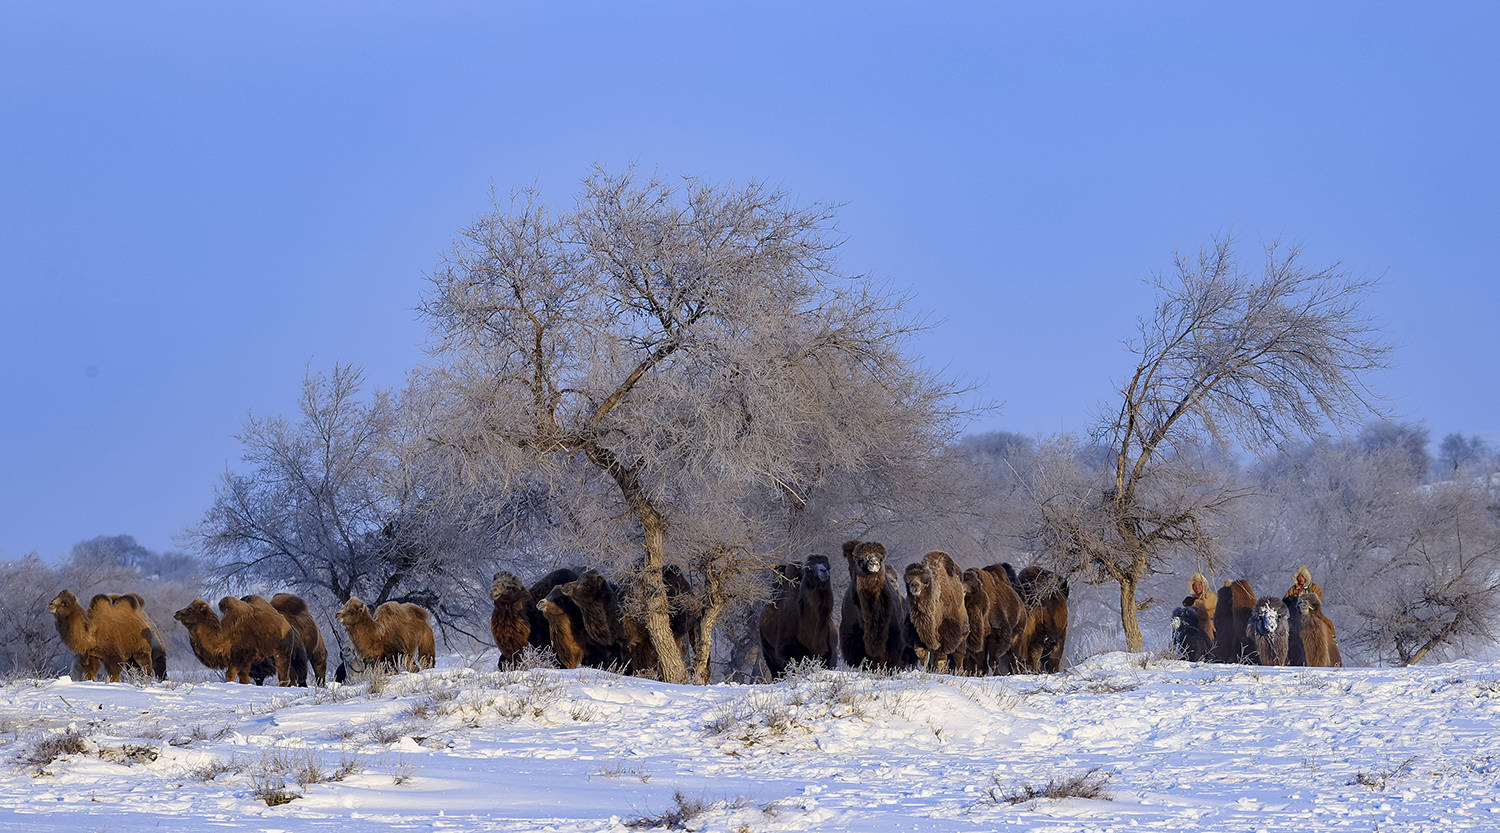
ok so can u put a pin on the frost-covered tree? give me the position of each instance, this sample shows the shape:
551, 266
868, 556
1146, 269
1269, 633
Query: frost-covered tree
1225, 356
676, 337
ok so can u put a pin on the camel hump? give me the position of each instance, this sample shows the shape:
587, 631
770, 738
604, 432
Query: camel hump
417, 611
288, 604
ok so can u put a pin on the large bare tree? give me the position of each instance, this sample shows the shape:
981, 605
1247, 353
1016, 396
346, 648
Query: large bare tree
1226, 356
681, 338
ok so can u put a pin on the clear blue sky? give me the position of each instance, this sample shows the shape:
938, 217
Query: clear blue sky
197, 203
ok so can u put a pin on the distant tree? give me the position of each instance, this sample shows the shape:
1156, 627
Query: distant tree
352, 499
676, 338
1224, 356
29, 644
1408, 439
1458, 452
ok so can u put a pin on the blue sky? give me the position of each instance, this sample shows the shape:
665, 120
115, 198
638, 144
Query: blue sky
197, 202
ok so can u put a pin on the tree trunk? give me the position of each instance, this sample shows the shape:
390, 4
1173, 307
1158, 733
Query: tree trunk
658, 606
704, 650
1439, 638
1128, 618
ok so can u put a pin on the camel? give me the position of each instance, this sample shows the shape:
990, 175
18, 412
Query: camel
295, 611
398, 631
1318, 642
253, 632
211, 644
1269, 629
798, 623
935, 591
1189, 640
510, 621
873, 623
1044, 634
1007, 618
1231, 620
114, 631
565, 628
1295, 653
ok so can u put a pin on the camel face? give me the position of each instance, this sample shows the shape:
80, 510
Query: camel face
870, 559
64, 603
918, 579
816, 574
353, 611
196, 612
505, 584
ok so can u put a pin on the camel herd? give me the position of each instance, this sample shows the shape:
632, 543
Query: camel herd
248, 638
989, 620
935, 616
1232, 625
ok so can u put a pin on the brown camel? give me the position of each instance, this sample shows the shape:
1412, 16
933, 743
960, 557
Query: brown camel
935, 592
1319, 645
255, 632
1044, 635
295, 611
798, 623
397, 632
1007, 619
1232, 642
115, 631
872, 626
510, 621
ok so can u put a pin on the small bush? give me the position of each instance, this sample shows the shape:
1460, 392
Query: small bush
683, 812
218, 766
1379, 779
1089, 785
52, 747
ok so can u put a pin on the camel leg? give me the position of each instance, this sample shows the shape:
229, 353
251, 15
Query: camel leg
229, 674
112, 668
90, 668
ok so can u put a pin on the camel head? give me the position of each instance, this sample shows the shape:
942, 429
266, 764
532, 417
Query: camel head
551, 604
919, 579
353, 610
1266, 617
868, 558
65, 604
506, 584
195, 613
1184, 618
815, 574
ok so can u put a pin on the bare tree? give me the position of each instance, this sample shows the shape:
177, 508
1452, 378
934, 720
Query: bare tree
1225, 356
677, 338
1458, 452
351, 499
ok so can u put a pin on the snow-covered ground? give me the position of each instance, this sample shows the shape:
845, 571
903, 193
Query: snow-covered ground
1183, 747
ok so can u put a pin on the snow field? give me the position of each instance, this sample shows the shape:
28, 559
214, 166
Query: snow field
1178, 746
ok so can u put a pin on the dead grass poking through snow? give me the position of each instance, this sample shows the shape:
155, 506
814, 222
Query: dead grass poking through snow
806, 696
1380, 778
684, 811
1087, 785
48, 749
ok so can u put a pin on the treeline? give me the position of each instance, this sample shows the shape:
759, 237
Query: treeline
673, 376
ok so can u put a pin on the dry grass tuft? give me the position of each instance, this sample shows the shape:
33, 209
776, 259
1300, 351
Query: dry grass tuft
1088, 785
683, 812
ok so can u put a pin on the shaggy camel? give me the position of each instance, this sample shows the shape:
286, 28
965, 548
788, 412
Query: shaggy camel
295, 611
935, 593
1318, 642
1270, 630
255, 632
565, 628
1232, 642
1007, 617
115, 631
798, 623
1189, 641
510, 621
1044, 634
397, 632
211, 642
873, 624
